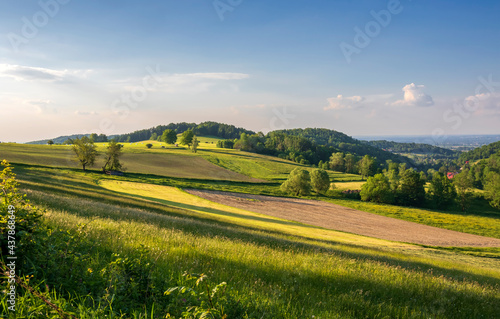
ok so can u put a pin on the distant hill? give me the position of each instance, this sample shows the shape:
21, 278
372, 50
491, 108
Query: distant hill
215, 129
480, 153
414, 148
224, 131
345, 143
60, 139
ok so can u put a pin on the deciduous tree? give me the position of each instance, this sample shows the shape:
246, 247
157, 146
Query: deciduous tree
85, 151
169, 136
442, 191
187, 138
377, 189
464, 183
298, 182
320, 181
112, 157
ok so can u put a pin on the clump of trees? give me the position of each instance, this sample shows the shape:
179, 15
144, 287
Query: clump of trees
86, 153
169, 136
301, 182
225, 144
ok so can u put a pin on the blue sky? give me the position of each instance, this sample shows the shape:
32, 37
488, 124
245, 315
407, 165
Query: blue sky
359, 67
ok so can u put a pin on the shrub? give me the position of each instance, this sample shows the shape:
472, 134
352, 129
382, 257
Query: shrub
298, 183
377, 189
320, 181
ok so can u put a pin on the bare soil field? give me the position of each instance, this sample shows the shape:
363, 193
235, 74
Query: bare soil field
336, 217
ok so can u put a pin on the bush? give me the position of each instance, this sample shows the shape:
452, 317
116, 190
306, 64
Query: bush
442, 191
320, 181
149, 145
298, 183
18, 218
377, 189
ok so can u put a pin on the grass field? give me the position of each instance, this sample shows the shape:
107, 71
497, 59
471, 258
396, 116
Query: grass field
118, 243
273, 268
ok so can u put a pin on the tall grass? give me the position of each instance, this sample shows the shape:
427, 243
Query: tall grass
268, 278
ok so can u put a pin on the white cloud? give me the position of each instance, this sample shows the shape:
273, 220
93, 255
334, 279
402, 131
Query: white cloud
485, 103
29, 73
341, 102
414, 96
42, 106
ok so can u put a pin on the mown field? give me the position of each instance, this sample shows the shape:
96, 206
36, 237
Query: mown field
115, 249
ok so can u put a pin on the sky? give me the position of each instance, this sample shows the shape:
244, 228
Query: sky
409, 67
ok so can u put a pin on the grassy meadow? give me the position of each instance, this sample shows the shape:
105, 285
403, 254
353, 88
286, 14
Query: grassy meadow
118, 243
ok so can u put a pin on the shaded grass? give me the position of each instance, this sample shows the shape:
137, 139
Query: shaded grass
284, 276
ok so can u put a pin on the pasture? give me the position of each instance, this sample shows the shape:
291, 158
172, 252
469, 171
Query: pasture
119, 242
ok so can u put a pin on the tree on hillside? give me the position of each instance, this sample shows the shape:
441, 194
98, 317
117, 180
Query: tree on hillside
377, 189
492, 188
112, 157
367, 166
411, 191
464, 184
350, 163
85, 151
169, 136
442, 191
153, 136
337, 162
320, 181
50, 142
298, 182
149, 145
195, 144
187, 138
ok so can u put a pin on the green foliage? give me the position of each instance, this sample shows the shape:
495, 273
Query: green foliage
492, 188
464, 184
337, 162
187, 138
194, 149
85, 151
112, 157
149, 145
442, 191
203, 129
411, 191
367, 166
169, 136
480, 153
225, 144
298, 182
320, 181
50, 142
18, 218
200, 299
377, 189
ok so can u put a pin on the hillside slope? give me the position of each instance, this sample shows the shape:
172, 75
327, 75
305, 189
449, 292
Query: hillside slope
345, 143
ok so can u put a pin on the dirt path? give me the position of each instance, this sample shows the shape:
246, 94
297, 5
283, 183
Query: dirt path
332, 216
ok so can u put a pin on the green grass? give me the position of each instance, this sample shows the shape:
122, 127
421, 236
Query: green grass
271, 272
